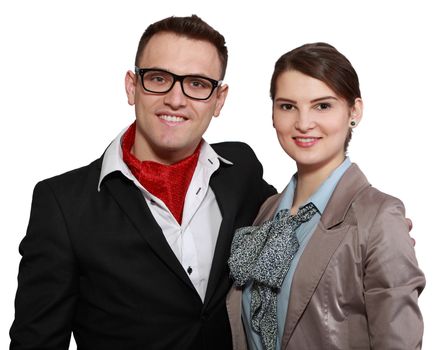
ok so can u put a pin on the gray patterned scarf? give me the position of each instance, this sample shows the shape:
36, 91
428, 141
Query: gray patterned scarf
263, 254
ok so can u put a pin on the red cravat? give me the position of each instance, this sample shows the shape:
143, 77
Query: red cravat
167, 182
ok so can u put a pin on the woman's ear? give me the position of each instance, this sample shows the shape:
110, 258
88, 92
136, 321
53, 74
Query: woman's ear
356, 113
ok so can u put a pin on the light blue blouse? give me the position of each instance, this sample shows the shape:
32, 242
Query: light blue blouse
320, 199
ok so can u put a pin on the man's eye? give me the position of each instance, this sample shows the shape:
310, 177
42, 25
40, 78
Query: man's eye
157, 79
199, 84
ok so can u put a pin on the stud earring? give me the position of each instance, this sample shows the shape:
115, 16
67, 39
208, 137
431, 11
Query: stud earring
352, 123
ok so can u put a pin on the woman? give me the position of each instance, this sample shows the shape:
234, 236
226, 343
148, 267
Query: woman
329, 263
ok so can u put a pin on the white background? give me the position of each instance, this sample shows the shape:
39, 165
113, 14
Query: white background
62, 100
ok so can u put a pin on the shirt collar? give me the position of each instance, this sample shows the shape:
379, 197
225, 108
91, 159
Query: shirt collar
113, 161
319, 198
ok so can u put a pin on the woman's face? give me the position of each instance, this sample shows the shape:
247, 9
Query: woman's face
311, 121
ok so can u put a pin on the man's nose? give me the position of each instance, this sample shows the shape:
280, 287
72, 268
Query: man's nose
175, 97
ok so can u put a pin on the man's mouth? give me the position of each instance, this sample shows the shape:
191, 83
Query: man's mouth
172, 118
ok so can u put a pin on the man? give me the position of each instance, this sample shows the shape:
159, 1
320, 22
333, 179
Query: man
130, 252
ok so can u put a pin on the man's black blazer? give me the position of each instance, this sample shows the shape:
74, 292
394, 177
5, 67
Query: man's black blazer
97, 264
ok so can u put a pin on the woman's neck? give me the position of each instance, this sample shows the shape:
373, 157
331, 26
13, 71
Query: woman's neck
310, 178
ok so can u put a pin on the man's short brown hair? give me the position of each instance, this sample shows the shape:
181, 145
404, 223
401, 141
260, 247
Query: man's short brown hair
191, 27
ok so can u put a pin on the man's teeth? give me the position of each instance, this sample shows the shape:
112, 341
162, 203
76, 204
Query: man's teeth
171, 118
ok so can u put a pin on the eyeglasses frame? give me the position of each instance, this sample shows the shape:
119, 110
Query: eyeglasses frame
141, 71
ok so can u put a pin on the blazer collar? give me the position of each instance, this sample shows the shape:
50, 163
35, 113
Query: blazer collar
112, 159
349, 186
352, 182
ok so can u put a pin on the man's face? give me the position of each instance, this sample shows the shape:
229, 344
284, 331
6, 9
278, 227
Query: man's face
169, 126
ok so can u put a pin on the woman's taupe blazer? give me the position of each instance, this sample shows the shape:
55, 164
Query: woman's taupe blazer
357, 281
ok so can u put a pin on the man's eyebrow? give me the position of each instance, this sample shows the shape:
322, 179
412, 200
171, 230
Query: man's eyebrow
203, 75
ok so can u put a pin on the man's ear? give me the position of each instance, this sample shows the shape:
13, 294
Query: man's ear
221, 97
130, 87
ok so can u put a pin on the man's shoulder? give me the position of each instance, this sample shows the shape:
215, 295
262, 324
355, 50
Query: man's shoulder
244, 162
76, 179
233, 149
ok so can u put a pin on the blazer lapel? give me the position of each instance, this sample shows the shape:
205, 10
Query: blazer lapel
131, 201
223, 194
322, 245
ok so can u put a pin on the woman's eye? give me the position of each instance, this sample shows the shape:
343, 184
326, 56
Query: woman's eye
286, 106
323, 106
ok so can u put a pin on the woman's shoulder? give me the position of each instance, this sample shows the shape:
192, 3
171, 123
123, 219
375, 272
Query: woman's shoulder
371, 201
380, 217
364, 198
371, 210
267, 209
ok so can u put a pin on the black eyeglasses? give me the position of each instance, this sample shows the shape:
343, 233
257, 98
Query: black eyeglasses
160, 81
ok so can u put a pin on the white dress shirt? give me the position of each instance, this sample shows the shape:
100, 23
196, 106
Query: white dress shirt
193, 242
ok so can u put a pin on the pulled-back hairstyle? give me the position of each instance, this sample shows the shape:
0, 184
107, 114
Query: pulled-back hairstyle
325, 63
191, 27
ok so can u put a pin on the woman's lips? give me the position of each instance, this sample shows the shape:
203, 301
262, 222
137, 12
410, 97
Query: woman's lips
306, 141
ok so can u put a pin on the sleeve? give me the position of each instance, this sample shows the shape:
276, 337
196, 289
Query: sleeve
268, 190
392, 281
47, 279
